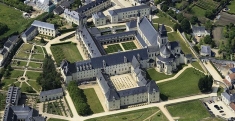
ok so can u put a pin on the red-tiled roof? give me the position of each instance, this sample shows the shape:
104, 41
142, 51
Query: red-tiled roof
232, 76
232, 105
227, 82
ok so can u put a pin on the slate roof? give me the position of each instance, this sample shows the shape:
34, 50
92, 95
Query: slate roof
43, 25
170, 59
229, 95
132, 91
205, 49
232, 70
51, 92
65, 4
13, 38
132, 24
152, 86
29, 31
174, 44
116, 36
153, 48
59, 10
12, 94
7, 44
90, 5
4, 51
140, 39
135, 63
162, 30
149, 31
164, 50
98, 15
188, 56
94, 31
117, 58
121, 10
199, 30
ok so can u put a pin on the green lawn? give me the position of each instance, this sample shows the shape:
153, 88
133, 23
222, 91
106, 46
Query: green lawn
197, 65
22, 54
174, 36
95, 106
17, 84
2, 101
34, 65
23, 86
20, 63
16, 73
55, 119
66, 51
158, 117
4, 83
38, 49
189, 111
154, 75
232, 7
187, 81
37, 56
13, 19
137, 115
35, 85
199, 12
168, 29
113, 48
163, 19
129, 45
32, 75
22, 51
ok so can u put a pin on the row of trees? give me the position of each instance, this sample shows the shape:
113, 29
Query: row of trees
3, 28
79, 99
18, 4
49, 78
205, 83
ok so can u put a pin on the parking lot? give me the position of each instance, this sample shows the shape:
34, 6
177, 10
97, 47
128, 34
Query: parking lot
218, 108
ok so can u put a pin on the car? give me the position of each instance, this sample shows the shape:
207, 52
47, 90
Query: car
221, 111
221, 107
216, 106
223, 114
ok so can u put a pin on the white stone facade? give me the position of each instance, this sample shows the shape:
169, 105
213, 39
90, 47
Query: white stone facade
74, 17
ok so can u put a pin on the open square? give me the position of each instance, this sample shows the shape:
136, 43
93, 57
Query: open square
124, 81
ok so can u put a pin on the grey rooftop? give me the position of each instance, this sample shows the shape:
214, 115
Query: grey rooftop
121, 10
43, 25
51, 92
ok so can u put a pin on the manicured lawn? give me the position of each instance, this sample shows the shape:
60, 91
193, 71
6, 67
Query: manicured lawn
189, 111
32, 75
55, 119
168, 29
35, 85
187, 81
16, 73
232, 7
129, 45
22, 54
13, 19
154, 75
113, 48
17, 84
20, 63
23, 49
174, 36
2, 101
38, 49
95, 106
34, 65
4, 83
37, 56
137, 115
197, 65
163, 19
158, 117
23, 86
199, 12
66, 51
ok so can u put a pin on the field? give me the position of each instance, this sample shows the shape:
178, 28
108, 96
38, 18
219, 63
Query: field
129, 45
137, 115
197, 65
163, 19
67, 51
12, 19
16, 73
113, 48
188, 111
35, 85
188, 85
199, 12
95, 106
2, 101
32, 75
156, 76
174, 36
35, 65
231, 6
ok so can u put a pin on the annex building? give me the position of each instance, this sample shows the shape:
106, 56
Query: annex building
121, 75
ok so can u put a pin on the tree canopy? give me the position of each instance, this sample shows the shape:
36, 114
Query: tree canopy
49, 78
79, 99
180, 17
205, 83
194, 20
185, 26
3, 28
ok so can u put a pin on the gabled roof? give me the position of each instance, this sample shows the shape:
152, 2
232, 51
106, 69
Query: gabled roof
132, 91
232, 70
117, 58
205, 49
153, 48
51, 92
132, 24
164, 50
121, 10
174, 44
59, 10
43, 25
140, 39
162, 30
117, 35
90, 5
29, 31
13, 38
135, 63
98, 15
94, 31
148, 31
65, 4
4, 51
232, 76
7, 44
152, 86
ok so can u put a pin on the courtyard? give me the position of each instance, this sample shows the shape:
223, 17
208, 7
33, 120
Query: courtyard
123, 82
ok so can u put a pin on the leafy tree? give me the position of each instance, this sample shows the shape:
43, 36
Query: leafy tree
205, 83
157, 2
42, 40
194, 20
209, 14
164, 7
208, 25
196, 49
3, 28
185, 26
180, 17
49, 78
176, 26
207, 39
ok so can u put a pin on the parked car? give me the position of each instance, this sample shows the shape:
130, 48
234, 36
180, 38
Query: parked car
221, 107
221, 111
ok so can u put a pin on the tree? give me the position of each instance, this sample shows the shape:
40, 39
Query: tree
185, 26
207, 39
194, 20
180, 17
3, 28
157, 2
208, 25
176, 26
205, 83
164, 7
42, 40
209, 14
